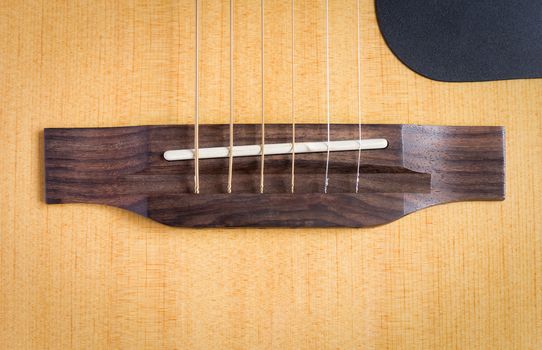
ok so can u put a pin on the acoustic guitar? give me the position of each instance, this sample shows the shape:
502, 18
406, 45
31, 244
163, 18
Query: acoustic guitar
257, 174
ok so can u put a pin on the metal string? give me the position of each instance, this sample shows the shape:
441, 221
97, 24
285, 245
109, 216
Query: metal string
293, 97
326, 182
263, 99
230, 161
359, 98
196, 102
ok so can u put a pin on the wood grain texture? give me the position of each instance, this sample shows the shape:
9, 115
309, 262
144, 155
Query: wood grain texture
459, 276
421, 167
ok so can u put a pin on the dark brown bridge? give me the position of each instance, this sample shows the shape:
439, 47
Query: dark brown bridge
421, 167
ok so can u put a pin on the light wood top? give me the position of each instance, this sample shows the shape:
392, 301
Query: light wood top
459, 276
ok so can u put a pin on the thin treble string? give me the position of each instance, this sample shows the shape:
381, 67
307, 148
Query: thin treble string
293, 97
230, 161
326, 183
196, 102
359, 99
263, 99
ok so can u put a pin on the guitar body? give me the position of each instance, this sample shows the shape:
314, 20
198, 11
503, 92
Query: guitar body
460, 275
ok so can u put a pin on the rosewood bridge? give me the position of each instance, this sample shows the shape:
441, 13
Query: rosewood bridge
403, 168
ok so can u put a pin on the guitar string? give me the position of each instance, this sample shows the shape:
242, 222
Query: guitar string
326, 180
230, 160
359, 97
262, 162
293, 97
230, 167
196, 102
